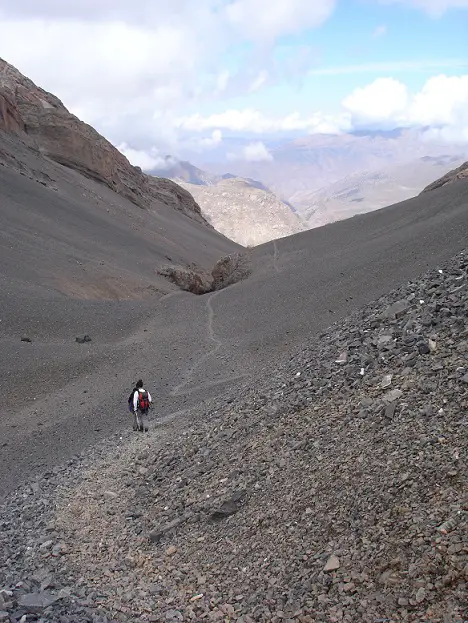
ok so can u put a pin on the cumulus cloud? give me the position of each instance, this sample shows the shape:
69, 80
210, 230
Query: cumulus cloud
214, 140
385, 99
442, 104
256, 152
252, 120
146, 160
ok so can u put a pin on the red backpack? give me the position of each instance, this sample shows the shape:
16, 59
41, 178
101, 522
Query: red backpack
143, 402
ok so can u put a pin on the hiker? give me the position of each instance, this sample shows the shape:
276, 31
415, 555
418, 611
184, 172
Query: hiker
139, 403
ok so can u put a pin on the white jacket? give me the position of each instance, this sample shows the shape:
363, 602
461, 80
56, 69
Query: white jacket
135, 398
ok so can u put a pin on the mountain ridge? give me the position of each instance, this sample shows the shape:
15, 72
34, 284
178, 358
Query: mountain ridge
42, 120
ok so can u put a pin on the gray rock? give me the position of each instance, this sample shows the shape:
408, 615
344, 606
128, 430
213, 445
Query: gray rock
228, 507
158, 533
397, 310
37, 602
332, 564
83, 339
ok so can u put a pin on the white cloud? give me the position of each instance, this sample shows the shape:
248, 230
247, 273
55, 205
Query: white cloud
125, 66
383, 100
146, 160
434, 8
380, 31
269, 19
256, 152
252, 120
443, 100
442, 104
214, 140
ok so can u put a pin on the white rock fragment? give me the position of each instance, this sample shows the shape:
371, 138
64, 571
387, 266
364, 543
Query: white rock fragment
386, 381
333, 564
343, 358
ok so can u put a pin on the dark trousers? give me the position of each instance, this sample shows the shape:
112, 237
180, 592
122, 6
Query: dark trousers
138, 423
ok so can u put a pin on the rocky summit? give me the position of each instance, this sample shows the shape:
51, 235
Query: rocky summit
333, 489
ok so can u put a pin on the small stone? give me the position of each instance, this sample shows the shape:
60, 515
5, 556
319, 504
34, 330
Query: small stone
386, 381
420, 595
390, 410
83, 340
4, 616
110, 495
392, 395
228, 507
397, 310
343, 358
333, 564
424, 349
46, 545
171, 550
402, 601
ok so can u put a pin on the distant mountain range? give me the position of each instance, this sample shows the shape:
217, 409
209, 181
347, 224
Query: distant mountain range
325, 178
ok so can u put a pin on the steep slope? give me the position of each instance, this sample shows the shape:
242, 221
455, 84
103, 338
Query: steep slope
27, 109
332, 486
245, 213
370, 190
193, 348
450, 177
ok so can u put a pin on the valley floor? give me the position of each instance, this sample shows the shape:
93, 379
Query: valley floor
333, 489
270, 459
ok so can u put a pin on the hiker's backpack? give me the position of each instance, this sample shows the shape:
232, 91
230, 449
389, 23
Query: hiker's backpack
143, 402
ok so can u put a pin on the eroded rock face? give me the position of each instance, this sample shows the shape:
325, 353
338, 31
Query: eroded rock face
10, 119
227, 271
230, 270
187, 279
452, 176
28, 109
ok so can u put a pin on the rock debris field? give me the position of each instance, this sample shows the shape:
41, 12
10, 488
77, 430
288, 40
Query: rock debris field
333, 489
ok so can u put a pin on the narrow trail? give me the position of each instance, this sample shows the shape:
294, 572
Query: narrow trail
178, 389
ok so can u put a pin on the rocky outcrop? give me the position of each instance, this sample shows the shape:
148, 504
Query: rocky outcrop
10, 119
26, 108
227, 271
230, 270
187, 279
452, 176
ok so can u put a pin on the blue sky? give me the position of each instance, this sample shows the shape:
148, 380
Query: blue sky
154, 76
362, 41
